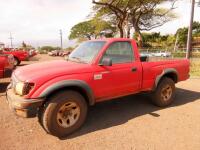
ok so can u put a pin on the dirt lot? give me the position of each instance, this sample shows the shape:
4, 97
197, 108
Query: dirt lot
126, 123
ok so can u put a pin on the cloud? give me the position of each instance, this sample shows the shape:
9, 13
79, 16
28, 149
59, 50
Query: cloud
183, 8
39, 20
36, 21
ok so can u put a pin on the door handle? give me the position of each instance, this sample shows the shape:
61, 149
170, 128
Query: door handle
134, 69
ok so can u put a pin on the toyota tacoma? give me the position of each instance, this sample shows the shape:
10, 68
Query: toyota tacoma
60, 92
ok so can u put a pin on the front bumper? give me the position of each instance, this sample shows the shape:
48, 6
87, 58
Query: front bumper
22, 107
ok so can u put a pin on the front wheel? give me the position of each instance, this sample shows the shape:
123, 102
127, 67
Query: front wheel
164, 93
16, 61
65, 112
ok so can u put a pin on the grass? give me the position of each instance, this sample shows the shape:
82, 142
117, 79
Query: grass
195, 68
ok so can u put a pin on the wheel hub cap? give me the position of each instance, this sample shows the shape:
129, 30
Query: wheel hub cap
166, 93
68, 114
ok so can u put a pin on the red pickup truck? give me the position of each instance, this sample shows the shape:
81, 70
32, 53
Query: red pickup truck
60, 92
6, 65
19, 55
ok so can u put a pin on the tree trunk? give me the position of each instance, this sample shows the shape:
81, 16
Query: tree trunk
139, 38
128, 32
121, 31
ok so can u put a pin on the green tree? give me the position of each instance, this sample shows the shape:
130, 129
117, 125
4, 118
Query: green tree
48, 48
26, 46
82, 30
103, 27
196, 28
155, 39
182, 33
170, 41
142, 15
92, 28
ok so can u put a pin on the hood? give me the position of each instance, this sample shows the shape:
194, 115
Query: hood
50, 70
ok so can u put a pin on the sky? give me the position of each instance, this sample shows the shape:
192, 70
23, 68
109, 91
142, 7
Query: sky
37, 22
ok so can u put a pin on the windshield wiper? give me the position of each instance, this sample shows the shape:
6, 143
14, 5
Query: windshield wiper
78, 59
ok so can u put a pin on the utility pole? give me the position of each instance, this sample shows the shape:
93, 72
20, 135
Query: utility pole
189, 40
61, 42
11, 40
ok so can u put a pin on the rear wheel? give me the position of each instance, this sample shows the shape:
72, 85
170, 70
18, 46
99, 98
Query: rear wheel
16, 61
164, 93
64, 113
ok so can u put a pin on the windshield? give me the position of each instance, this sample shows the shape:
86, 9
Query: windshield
86, 51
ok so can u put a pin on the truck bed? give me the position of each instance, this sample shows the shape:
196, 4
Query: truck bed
153, 69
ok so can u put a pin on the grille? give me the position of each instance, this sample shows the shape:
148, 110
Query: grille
14, 81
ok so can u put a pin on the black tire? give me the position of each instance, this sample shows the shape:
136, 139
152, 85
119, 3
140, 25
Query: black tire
158, 97
48, 115
16, 61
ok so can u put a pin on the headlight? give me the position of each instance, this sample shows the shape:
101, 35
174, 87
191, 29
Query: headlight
19, 88
22, 88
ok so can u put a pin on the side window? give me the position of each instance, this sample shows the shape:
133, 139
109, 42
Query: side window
119, 52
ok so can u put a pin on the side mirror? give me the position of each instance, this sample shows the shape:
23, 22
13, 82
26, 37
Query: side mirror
144, 58
106, 62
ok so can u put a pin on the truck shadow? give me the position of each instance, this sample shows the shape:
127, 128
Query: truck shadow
119, 111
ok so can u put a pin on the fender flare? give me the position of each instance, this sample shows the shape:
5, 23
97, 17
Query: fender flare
166, 71
70, 83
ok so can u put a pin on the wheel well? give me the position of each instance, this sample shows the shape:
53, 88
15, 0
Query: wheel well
71, 88
16, 58
172, 76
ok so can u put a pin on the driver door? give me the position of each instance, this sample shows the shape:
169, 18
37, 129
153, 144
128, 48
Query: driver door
122, 77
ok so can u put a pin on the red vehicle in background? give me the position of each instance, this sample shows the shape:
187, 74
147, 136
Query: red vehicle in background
6, 65
32, 53
19, 55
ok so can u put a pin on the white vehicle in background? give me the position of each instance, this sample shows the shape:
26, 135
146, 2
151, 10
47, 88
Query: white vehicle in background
147, 54
162, 54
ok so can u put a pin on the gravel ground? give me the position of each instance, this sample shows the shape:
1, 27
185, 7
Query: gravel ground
129, 123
